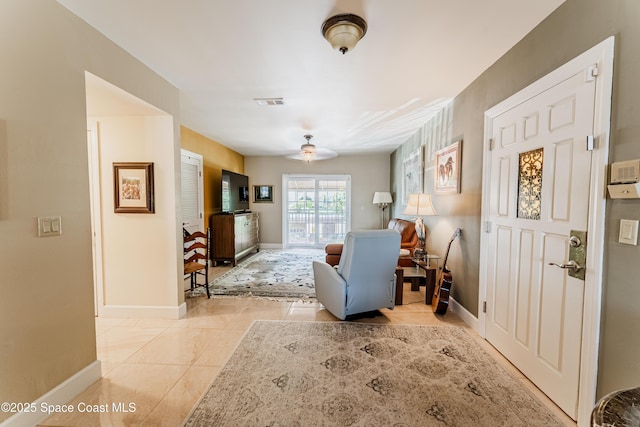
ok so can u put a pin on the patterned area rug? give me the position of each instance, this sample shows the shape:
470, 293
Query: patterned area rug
357, 374
271, 273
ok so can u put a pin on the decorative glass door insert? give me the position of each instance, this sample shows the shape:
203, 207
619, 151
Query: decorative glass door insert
530, 184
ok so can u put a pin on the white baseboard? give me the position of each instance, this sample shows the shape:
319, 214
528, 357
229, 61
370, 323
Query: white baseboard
63, 393
464, 314
143, 312
270, 245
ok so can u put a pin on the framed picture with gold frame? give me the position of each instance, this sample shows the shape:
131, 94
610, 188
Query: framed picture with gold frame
448, 164
133, 187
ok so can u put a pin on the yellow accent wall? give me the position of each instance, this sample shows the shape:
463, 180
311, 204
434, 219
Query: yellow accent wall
215, 158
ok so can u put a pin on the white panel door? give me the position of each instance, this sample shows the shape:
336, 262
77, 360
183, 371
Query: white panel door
539, 191
192, 191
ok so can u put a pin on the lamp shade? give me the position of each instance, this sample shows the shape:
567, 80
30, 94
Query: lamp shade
380, 197
419, 204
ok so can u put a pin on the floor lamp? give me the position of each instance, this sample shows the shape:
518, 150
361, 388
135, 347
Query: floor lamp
382, 199
420, 205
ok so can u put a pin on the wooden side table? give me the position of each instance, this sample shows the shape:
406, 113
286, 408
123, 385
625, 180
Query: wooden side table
415, 275
430, 267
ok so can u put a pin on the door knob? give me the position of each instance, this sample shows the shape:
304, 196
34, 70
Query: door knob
575, 242
571, 265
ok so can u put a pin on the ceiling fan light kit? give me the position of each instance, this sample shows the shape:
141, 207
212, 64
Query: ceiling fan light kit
343, 31
308, 150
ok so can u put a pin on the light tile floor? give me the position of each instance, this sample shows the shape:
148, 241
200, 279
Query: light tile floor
164, 366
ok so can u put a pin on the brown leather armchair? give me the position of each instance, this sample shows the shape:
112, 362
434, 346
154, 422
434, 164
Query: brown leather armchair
408, 241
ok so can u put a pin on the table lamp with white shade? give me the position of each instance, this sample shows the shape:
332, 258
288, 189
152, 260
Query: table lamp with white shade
383, 199
420, 205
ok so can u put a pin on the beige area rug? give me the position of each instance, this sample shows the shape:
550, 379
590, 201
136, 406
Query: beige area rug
272, 273
357, 374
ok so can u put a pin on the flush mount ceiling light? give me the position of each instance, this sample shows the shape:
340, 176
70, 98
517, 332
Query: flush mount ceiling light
344, 31
308, 150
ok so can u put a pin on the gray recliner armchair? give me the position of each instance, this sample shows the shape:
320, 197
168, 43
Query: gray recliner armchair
364, 280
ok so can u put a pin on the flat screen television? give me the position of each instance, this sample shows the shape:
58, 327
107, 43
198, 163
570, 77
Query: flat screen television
235, 192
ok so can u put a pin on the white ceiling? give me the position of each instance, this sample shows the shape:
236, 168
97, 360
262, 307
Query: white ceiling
221, 54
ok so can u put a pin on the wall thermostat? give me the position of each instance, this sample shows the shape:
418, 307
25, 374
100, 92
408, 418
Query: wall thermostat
625, 172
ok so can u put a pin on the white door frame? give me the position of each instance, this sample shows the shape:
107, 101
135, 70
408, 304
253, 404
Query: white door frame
95, 195
602, 56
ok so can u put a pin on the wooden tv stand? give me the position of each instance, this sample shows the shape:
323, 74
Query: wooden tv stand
234, 235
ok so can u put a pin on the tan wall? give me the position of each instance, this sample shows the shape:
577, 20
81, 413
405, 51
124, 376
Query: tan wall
47, 331
369, 173
216, 157
137, 249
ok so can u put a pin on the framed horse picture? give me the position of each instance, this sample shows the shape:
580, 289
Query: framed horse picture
448, 164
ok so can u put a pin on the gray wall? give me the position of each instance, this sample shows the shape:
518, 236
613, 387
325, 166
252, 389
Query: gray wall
369, 173
454, 210
573, 28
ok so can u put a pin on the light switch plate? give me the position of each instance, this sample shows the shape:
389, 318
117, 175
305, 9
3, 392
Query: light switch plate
628, 232
49, 226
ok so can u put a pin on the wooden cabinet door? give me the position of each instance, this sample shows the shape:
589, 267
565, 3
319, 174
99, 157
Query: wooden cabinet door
223, 237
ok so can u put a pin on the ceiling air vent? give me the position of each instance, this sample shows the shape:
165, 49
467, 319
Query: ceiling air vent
269, 101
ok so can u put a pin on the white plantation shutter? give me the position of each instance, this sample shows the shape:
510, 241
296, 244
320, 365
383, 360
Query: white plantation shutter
192, 203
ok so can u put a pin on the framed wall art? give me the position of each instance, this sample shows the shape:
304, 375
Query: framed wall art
412, 175
448, 163
133, 187
263, 193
